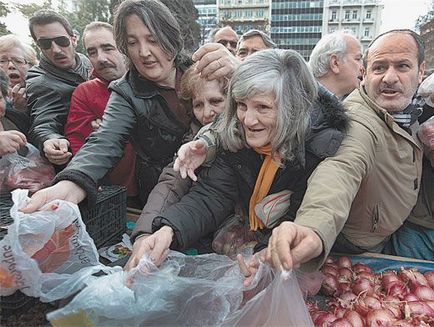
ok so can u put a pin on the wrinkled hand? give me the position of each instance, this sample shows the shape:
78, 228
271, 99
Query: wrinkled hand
64, 190
56, 151
96, 124
426, 90
249, 268
215, 61
18, 97
157, 245
426, 133
291, 245
191, 156
11, 141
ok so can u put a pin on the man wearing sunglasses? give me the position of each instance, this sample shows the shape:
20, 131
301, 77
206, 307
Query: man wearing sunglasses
51, 83
226, 36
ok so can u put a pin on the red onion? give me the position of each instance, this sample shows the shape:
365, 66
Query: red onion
430, 303
344, 262
388, 278
410, 297
403, 323
429, 275
420, 308
344, 287
341, 322
359, 267
329, 269
364, 305
397, 289
329, 285
347, 299
345, 274
324, 318
379, 318
424, 293
413, 277
355, 318
394, 309
363, 285
339, 312
329, 260
367, 275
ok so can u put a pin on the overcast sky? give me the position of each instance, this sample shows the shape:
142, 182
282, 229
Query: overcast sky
396, 14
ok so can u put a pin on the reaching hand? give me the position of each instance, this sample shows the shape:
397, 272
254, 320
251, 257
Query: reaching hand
64, 190
11, 141
215, 61
191, 156
291, 245
56, 151
426, 133
156, 244
249, 268
18, 97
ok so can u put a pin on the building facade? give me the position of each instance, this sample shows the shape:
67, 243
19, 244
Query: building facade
297, 24
427, 33
207, 17
243, 15
362, 17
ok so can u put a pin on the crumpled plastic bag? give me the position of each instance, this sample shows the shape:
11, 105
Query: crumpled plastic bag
48, 253
25, 169
204, 290
426, 90
426, 133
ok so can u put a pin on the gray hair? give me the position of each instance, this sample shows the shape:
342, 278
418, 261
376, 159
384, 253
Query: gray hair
285, 74
330, 44
265, 38
162, 25
96, 26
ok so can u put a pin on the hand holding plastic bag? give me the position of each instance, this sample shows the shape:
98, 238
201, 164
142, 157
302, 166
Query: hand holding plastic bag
426, 133
187, 291
25, 169
44, 252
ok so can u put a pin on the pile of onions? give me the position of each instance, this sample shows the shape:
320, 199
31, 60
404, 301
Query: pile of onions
356, 296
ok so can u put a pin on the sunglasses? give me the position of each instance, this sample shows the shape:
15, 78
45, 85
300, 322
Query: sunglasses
61, 41
233, 44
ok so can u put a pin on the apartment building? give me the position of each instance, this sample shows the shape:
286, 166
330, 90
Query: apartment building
362, 17
207, 17
427, 33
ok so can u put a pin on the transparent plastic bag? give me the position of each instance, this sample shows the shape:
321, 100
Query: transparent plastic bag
204, 290
426, 90
426, 133
25, 169
48, 253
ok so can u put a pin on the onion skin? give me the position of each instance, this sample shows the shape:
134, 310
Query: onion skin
324, 318
425, 293
359, 267
341, 322
345, 274
330, 285
363, 285
419, 308
379, 318
344, 262
355, 318
429, 275
330, 269
396, 289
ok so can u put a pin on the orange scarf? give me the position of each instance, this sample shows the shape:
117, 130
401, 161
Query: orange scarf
263, 183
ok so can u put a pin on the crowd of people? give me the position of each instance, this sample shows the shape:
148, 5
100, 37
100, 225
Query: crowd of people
334, 154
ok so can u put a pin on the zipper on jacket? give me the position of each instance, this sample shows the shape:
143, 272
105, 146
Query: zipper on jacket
375, 218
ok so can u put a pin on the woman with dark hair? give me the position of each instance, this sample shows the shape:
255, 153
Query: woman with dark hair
143, 107
271, 139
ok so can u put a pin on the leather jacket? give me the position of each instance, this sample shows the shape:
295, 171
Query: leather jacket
49, 90
136, 111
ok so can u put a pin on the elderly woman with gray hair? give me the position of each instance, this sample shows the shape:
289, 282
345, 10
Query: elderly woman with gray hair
272, 138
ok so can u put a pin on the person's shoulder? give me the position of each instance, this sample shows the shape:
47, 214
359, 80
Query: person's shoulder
34, 74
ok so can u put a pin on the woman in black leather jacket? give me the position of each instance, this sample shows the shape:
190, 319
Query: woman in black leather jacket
143, 105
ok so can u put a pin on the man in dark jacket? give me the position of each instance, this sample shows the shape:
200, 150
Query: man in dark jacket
51, 83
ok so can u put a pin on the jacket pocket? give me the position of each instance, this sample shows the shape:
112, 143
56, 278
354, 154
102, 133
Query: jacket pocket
375, 218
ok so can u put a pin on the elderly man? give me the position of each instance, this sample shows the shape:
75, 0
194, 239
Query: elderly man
336, 62
225, 36
49, 85
364, 193
90, 98
252, 41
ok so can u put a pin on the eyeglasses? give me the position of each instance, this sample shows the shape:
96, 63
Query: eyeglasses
233, 44
16, 61
61, 41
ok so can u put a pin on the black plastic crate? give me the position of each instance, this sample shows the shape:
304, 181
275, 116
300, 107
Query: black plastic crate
106, 221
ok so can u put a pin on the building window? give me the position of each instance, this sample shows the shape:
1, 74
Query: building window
347, 14
368, 14
334, 15
354, 14
366, 33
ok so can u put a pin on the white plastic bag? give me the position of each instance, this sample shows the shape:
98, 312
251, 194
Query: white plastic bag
48, 253
426, 90
204, 290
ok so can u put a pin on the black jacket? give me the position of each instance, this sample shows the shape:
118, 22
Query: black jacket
232, 177
49, 91
138, 112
